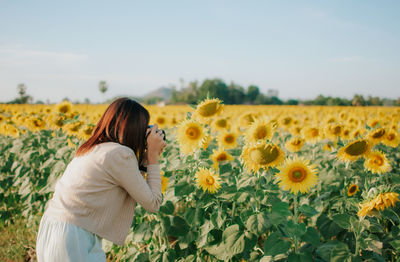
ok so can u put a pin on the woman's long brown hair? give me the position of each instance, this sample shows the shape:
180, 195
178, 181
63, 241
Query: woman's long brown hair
125, 122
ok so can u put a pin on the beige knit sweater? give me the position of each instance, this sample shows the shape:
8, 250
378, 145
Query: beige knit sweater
99, 190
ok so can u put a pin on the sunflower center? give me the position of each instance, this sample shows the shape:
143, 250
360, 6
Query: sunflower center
314, 132
193, 132
287, 120
352, 189
390, 137
249, 118
297, 174
357, 133
64, 109
229, 139
221, 123
209, 109
378, 160
357, 148
264, 155
261, 132
210, 180
37, 123
379, 133
221, 157
336, 130
88, 131
161, 120
296, 142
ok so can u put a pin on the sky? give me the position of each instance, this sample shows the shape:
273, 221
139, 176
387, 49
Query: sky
302, 49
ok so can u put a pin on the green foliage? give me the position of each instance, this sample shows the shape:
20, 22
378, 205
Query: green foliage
250, 217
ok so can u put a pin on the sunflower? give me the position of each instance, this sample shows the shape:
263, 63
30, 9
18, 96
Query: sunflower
294, 144
346, 133
36, 124
354, 150
329, 147
10, 130
164, 183
208, 180
228, 139
190, 136
71, 144
208, 109
374, 122
57, 120
260, 129
357, 133
311, 134
333, 131
376, 135
85, 132
206, 141
377, 163
286, 122
246, 119
353, 121
296, 130
297, 175
161, 121
352, 190
64, 107
392, 138
221, 123
261, 155
72, 128
380, 202
220, 155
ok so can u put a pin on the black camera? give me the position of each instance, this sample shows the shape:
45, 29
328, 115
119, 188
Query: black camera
151, 126
141, 167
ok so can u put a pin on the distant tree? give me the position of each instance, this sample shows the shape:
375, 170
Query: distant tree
23, 97
103, 87
261, 100
236, 94
214, 88
292, 102
252, 93
273, 101
152, 100
320, 100
358, 100
388, 102
373, 101
21, 90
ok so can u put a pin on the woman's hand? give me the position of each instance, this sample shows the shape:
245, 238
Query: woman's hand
155, 145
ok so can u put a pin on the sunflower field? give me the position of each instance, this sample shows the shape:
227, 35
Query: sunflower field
240, 183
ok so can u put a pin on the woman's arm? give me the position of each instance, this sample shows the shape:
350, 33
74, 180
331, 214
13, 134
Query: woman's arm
123, 167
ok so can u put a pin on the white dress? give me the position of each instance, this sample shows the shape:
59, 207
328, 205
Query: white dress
63, 242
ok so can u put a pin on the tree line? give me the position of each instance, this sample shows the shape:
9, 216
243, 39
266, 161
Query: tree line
236, 94
230, 94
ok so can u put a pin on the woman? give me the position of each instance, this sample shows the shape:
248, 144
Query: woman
96, 196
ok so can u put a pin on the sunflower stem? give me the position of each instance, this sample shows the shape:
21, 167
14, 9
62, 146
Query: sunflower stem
357, 245
296, 221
